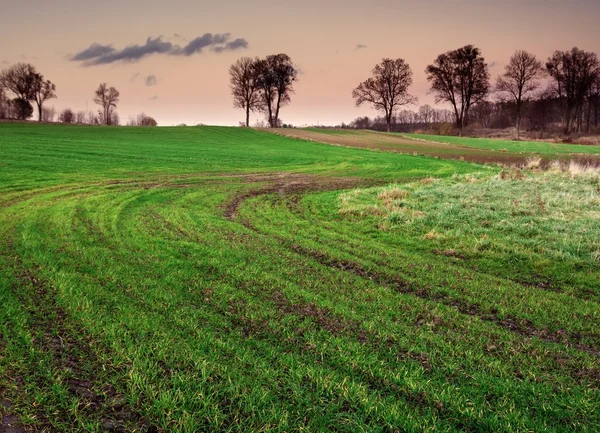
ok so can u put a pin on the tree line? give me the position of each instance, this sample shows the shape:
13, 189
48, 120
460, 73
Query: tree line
26, 86
565, 89
461, 79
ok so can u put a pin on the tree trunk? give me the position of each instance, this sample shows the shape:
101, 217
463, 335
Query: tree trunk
39, 112
589, 115
270, 112
568, 121
247, 117
276, 119
518, 126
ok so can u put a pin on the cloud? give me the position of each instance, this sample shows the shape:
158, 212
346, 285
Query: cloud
92, 52
154, 98
151, 80
493, 64
204, 41
134, 77
360, 47
238, 44
97, 54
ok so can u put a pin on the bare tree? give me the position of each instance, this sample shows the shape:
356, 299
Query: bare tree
275, 77
4, 105
427, 114
41, 91
520, 79
574, 73
67, 116
22, 108
20, 79
80, 117
387, 89
461, 78
266, 85
142, 120
149, 121
114, 120
48, 114
595, 102
243, 82
107, 98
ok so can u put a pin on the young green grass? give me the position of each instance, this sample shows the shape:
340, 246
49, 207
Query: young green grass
540, 147
224, 279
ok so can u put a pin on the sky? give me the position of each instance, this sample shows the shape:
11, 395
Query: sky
171, 59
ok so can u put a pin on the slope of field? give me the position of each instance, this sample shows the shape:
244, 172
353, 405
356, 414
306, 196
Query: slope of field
539, 147
468, 149
401, 144
224, 279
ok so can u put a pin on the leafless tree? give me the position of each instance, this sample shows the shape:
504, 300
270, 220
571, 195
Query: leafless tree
595, 102
42, 90
67, 116
519, 81
427, 114
4, 105
107, 98
243, 82
461, 78
387, 89
48, 114
275, 77
80, 117
574, 73
22, 109
114, 120
20, 79
149, 121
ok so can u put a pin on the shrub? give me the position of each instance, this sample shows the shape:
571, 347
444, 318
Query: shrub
22, 108
67, 116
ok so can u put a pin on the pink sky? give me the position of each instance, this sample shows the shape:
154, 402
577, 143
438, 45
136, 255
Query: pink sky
320, 36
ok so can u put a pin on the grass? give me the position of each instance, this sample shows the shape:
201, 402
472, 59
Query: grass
539, 147
224, 279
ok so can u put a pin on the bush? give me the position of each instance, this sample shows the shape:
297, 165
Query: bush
22, 108
447, 129
148, 121
67, 116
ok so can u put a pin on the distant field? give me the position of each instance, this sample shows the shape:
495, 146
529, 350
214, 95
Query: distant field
475, 150
226, 279
539, 147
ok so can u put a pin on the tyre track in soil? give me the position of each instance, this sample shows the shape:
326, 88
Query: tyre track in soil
295, 185
68, 354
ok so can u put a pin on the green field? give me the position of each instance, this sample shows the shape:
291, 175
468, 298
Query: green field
538, 147
225, 279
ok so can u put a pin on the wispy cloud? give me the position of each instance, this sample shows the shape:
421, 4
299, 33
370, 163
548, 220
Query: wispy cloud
98, 54
135, 76
151, 80
154, 98
360, 47
198, 44
92, 52
238, 44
